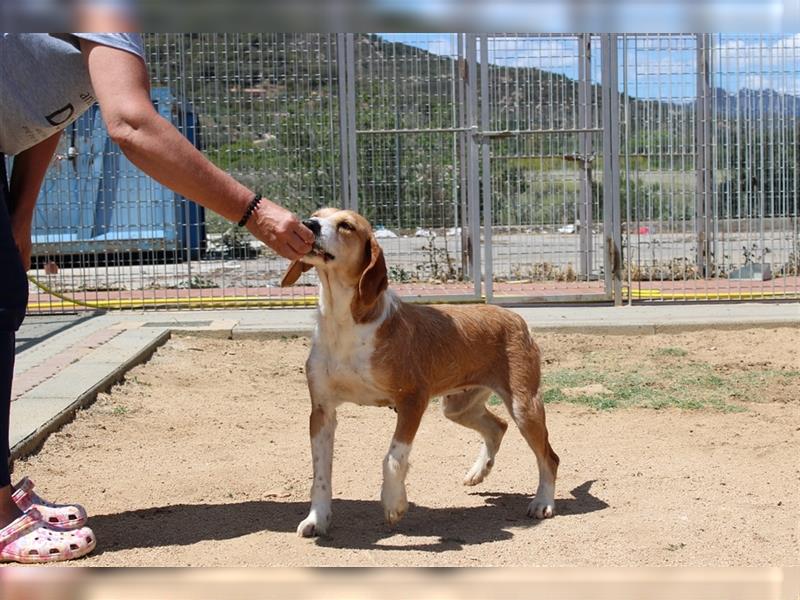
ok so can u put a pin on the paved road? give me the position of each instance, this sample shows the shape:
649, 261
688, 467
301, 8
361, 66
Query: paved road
517, 255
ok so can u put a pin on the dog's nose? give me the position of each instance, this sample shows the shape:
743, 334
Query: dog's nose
313, 225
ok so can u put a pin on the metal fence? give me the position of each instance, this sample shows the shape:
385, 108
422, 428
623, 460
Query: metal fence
510, 167
711, 166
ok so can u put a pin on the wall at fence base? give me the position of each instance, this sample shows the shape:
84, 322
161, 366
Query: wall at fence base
95, 201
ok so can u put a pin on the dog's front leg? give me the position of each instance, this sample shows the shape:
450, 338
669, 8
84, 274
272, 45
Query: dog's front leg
322, 429
395, 465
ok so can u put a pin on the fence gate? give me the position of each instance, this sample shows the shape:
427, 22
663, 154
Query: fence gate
543, 133
488, 172
410, 158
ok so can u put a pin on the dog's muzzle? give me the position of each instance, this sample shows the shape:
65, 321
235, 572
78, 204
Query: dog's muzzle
317, 249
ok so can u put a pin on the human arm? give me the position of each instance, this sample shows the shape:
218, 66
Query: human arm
150, 142
27, 175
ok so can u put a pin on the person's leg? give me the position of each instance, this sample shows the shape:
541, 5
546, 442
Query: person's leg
8, 508
13, 300
32, 536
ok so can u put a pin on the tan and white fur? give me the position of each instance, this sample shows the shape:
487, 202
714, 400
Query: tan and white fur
372, 349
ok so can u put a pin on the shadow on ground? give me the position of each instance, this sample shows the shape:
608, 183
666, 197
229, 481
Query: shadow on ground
358, 524
37, 329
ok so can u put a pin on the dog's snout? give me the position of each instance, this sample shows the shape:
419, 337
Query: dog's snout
313, 225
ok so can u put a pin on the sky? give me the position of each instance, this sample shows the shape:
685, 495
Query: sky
597, 15
658, 66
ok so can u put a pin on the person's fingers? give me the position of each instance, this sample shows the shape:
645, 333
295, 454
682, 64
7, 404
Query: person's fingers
290, 254
301, 233
305, 234
297, 246
286, 234
302, 243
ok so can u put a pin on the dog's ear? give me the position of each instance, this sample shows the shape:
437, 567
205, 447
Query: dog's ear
374, 278
294, 271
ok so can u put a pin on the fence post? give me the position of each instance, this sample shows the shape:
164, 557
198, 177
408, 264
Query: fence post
626, 131
585, 153
473, 181
486, 172
612, 223
703, 159
351, 128
462, 137
344, 148
345, 62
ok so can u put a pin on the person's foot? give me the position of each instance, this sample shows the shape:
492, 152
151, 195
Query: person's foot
57, 516
30, 540
9, 511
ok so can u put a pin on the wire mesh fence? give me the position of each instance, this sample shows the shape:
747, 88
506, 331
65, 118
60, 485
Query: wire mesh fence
544, 98
507, 166
261, 107
409, 119
709, 183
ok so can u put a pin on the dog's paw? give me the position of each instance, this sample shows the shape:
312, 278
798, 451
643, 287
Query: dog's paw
395, 505
540, 509
479, 471
313, 526
393, 515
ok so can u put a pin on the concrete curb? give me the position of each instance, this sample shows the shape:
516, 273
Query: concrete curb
35, 437
270, 333
725, 326
653, 329
264, 333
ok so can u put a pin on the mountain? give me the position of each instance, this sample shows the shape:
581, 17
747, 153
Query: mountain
750, 102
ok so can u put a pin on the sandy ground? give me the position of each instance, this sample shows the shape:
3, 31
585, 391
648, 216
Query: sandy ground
202, 458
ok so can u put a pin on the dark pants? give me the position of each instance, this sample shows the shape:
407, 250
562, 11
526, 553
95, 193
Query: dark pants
13, 300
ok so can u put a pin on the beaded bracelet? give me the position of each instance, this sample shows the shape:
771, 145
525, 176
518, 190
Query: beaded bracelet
251, 207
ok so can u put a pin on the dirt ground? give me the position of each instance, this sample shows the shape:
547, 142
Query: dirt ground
202, 458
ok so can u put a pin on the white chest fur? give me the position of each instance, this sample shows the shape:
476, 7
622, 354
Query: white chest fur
340, 364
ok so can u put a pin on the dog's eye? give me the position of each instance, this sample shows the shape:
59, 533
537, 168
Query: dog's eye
346, 226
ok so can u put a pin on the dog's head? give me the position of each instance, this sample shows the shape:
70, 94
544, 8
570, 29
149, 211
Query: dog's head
345, 250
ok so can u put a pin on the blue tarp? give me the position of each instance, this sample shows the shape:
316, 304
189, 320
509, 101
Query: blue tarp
95, 200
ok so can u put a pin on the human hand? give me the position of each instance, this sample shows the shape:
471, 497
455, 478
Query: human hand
281, 230
22, 238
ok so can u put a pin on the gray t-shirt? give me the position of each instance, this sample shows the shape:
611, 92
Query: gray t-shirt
45, 85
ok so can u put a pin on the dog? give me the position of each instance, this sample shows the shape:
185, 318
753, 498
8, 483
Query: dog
372, 349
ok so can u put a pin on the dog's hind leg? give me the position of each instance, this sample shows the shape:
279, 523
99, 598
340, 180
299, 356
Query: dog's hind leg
322, 428
528, 412
468, 408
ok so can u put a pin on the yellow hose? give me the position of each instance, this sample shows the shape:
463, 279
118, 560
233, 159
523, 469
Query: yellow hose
132, 303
